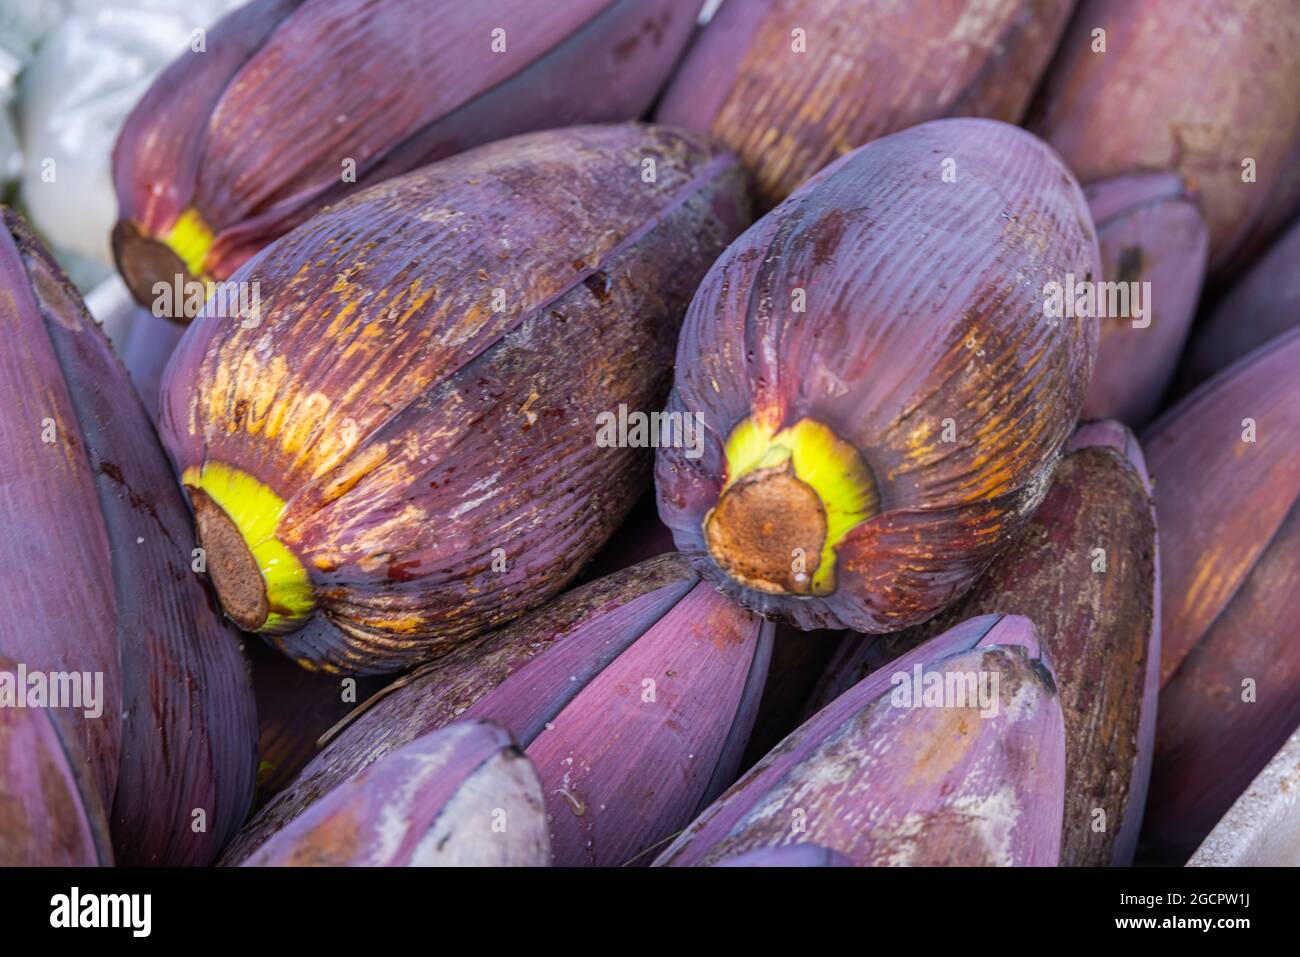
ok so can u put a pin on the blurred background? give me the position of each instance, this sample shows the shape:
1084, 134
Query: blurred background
70, 72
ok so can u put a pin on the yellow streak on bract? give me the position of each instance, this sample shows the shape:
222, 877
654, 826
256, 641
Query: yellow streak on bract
301, 276
1214, 579
256, 510
343, 281
340, 317
402, 625
1195, 595
275, 415
306, 664
821, 460
217, 394
364, 344
353, 471
920, 443
416, 305
267, 387
376, 543
305, 415
336, 438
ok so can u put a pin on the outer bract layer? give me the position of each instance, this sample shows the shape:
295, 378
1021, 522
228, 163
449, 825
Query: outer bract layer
633, 696
1238, 431
1264, 304
409, 443
882, 392
791, 85
50, 814
954, 755
294, 104
1227, 481
1086, 571
1224, 116
460, 797
100, 588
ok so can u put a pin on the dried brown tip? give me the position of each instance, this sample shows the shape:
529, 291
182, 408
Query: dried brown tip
143, 261
768, 530
231, 564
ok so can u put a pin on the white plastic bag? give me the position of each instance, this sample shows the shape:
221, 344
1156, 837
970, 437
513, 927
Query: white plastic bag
22, 23
75, 93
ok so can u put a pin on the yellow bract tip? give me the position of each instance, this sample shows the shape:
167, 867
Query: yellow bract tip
821, 460
255, 511
191, 239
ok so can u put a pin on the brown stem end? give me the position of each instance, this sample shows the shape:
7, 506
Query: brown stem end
230, 562
768, 530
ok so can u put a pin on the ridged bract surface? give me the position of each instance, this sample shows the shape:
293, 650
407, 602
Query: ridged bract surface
98, 549
921, 782
924, 318
1086, 572
253, 132
1227, 480
633, 696
460, 797
1187, 86
1223, 499
410, 427
868, 68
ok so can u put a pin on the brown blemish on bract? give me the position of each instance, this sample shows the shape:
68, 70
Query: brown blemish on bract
624, 49
334, 841
142, 259
758, 524
1131, 263
52, 296
939, 750
403, 571
599, 285
60, 805
231, 564
827, 236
